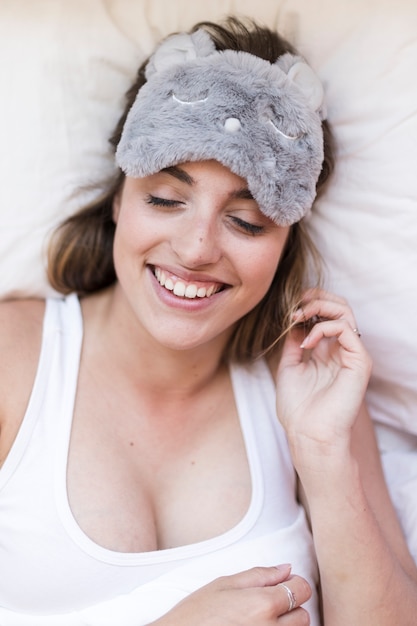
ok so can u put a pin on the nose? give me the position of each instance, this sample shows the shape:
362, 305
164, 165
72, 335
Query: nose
197, 241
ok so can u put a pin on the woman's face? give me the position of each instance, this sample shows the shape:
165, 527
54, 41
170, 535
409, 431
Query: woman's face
193, 253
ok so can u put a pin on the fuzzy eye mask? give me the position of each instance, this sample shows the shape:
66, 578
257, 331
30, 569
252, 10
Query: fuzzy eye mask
261, 120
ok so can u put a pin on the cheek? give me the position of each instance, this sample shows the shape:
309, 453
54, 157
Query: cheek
123, 240
129, 241
259, 268
131, 228
264, 274
136, 237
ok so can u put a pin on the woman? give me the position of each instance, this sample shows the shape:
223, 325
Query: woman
146, 477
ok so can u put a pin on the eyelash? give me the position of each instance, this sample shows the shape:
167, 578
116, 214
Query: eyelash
155, 201
251, 229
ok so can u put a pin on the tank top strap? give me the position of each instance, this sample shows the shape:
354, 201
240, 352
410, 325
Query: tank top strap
255, 396
56, 375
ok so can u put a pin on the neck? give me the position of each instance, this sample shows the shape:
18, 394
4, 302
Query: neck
147, 363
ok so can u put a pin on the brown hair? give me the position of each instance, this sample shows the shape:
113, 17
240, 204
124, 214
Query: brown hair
80, 257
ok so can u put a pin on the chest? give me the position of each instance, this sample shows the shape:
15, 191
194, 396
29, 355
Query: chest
139, 480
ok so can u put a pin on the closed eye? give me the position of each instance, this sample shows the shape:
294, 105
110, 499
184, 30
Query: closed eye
248, 227
161, 202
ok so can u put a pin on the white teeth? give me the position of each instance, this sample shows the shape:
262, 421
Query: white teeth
191, 291
179, 288
182, 290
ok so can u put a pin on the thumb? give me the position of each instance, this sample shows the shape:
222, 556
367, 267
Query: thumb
292, 353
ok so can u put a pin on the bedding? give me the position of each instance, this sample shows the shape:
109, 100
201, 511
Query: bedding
65, 68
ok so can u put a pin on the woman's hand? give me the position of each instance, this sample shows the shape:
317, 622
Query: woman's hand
322, 377
255, 596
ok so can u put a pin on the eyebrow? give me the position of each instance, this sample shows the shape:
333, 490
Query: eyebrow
184, 177
179, 174
243, 194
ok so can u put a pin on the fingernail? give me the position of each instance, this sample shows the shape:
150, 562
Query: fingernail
283, 567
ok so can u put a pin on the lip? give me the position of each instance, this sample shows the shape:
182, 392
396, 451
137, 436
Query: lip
179, 302
189, 277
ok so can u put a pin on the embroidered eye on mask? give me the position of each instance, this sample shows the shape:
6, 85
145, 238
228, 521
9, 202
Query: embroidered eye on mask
261, 120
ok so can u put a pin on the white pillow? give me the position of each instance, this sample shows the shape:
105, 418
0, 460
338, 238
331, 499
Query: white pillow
66, 66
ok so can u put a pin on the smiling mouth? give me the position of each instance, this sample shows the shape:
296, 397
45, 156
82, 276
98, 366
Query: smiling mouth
184, 289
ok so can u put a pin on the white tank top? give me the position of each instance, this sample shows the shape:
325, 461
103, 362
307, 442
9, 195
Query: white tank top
51, 573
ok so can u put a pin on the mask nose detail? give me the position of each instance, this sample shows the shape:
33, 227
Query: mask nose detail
232, 125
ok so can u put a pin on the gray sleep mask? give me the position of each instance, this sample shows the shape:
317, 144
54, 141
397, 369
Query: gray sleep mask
261, 120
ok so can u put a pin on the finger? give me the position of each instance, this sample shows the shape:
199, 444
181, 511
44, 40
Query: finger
315, 306
292, 353
342, 331
291, 594
318, 310
256, 577
298, 617
292, 600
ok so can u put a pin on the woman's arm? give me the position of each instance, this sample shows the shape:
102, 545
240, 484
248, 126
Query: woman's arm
367, 574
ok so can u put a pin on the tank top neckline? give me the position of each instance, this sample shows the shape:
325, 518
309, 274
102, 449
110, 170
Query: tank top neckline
94, 549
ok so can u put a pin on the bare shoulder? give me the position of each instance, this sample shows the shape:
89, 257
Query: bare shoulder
20, 329
20, 341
